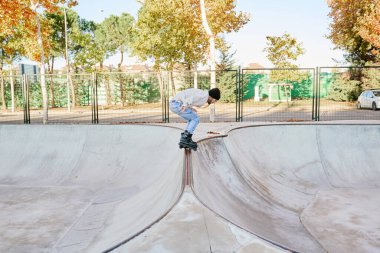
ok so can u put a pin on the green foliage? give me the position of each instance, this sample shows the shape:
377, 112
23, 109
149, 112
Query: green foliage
137, 88
227, 83
371, 78
171, 32
303, 89
167, 32
57, 36
344, 89
349, 22
116, 34
18, 96
284, 50
226, 76
287, 76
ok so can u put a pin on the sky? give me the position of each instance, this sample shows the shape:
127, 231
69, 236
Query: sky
306, 20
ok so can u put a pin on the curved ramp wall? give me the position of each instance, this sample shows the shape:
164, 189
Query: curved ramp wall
273, 180
84, 188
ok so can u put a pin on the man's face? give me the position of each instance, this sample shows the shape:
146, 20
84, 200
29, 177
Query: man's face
211, 100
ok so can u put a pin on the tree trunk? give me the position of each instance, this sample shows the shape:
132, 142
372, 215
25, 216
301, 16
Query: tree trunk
195, 77
122, 96
43, 81
161, 84
51, 71
162, 94
171, 79
3, 104
69, 81
212, 54
12, 87
72, 88
108, 90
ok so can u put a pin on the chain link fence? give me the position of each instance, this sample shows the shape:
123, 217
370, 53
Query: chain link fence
290, 95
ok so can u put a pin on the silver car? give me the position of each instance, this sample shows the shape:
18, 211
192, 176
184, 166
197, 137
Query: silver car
369, 99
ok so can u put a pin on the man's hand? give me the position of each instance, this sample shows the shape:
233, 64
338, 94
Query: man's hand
183, 108
194, 109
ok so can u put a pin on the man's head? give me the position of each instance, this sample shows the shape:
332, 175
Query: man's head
213, 96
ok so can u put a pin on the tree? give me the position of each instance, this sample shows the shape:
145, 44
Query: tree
370, 26
211, 39
25, 12
370, 78
227, 77
355, 29
168, 35
105, 47
62, 23
86, 52
344, 88
171, 32
118, 34
10, 49
283, 52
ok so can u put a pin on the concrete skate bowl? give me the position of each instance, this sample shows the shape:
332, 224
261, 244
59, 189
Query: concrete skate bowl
305, 188
84, 188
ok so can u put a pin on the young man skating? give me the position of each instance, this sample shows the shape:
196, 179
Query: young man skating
184, 103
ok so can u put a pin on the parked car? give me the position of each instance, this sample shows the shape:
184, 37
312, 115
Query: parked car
369, 99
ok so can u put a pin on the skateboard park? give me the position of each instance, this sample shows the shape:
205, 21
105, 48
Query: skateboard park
182, 126
251, 188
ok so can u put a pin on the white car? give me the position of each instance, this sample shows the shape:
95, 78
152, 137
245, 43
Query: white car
369, 99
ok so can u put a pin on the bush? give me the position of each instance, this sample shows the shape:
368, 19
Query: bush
344, 89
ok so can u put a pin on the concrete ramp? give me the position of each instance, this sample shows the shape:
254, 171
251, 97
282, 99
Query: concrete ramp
84, 188
306, 188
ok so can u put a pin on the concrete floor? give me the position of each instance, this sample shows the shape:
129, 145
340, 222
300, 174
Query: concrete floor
264, 188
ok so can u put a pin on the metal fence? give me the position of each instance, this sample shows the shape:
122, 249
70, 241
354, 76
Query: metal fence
303, 94
339, 89
278, 94
12, 102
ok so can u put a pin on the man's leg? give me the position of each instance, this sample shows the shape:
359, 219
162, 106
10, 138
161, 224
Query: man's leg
189, 115
192, 120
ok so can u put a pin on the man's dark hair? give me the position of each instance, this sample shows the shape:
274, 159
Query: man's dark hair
214, 93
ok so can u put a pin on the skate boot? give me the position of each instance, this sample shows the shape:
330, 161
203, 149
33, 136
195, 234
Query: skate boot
187, 142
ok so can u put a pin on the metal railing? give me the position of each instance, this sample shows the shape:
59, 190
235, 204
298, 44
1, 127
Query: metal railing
302, 94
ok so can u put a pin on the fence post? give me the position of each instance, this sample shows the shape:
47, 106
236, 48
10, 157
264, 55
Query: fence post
318, 101
241, 85
314, 97
95, 109
25, 89
166, 97
237, 92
